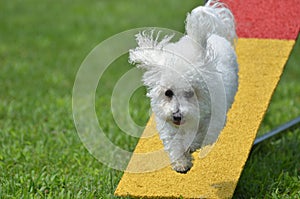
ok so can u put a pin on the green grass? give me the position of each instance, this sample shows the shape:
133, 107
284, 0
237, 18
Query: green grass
42, 44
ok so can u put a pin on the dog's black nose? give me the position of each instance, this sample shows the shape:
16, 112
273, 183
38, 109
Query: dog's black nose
177, 118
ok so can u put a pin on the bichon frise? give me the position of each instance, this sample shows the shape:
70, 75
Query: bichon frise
181, 77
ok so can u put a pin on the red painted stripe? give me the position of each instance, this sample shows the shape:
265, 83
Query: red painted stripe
273, 19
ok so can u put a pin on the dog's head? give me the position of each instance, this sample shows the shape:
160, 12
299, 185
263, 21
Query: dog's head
175, 86
173, 97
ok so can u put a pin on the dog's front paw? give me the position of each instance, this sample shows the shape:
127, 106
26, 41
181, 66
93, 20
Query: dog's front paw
194, 148
182, 165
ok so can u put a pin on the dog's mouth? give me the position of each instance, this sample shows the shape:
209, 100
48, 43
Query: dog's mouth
178, 123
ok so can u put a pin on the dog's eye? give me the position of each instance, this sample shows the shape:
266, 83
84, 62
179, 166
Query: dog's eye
189, 94
169, 93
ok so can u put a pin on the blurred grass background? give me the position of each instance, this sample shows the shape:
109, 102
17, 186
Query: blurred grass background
42, 44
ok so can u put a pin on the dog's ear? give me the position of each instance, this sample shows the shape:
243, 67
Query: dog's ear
149, 52
144, 58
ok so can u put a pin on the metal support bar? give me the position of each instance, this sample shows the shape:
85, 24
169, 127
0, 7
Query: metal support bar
276, 131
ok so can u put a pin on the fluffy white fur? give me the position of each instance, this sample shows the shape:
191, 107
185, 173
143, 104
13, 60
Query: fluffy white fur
177, 75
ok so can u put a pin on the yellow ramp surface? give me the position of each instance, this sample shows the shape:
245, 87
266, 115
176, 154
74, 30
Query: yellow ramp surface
261, 63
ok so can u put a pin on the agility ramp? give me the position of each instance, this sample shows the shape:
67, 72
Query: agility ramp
267, 31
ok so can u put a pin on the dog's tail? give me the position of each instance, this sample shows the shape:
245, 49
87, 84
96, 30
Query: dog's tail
213, 18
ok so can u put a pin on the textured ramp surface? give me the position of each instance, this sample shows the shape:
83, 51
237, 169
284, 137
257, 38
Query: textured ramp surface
273, 19
215, 176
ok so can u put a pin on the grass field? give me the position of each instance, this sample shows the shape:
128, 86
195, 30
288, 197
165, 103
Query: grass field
42, 44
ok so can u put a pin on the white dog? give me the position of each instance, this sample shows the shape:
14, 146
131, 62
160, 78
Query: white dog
181, 76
